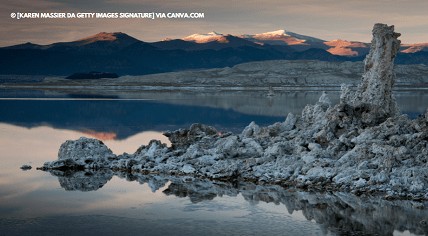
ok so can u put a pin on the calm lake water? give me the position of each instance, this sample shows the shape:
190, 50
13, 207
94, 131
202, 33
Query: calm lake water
33, 125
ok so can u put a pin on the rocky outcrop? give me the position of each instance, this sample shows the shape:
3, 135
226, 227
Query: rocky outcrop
83, 154
361, 145
183, 138
375, 91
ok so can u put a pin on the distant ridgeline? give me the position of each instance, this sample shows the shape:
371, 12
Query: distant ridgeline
125, 55
92, 75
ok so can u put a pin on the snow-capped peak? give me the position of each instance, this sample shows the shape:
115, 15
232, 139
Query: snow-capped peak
205, 38
279, 37
274, 33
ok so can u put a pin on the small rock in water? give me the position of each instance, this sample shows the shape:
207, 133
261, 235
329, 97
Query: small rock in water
26, 167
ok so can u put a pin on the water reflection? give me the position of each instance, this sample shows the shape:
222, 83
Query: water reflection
83, 180
120, 119
35, 194
339, 213
168, 110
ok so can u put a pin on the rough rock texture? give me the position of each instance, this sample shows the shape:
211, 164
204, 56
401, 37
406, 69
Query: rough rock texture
83, 153
360, 145
183, 138
375, 91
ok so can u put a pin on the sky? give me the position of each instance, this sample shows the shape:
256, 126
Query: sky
324, 19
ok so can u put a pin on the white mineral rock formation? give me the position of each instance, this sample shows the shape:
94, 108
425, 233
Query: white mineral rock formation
375, 90
361, 145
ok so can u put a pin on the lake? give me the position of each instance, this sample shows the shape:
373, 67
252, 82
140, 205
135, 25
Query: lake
33, 125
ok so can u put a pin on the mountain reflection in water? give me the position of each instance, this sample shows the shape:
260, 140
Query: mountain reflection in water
130, 114
340, 213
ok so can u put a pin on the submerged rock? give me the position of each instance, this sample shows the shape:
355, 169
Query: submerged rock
362, 144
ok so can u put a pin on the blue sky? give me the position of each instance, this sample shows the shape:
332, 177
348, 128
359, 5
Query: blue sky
325, 19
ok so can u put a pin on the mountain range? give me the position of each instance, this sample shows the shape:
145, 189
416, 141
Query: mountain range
120, 53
